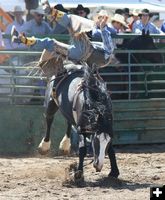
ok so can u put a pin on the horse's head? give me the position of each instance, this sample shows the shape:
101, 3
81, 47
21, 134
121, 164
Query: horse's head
99, 143
97, 114
145, 42
101, 140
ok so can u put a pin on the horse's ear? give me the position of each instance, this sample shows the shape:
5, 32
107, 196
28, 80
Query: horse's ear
143, 32
148, 33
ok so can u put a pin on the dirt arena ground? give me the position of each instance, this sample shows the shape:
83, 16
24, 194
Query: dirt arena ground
44, 178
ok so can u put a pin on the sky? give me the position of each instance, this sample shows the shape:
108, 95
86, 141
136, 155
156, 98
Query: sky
9, 4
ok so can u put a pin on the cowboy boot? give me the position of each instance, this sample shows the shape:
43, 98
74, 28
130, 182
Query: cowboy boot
29, 41
21, 38
14, 32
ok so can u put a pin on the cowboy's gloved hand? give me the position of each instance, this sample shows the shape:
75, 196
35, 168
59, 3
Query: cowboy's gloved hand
57, 14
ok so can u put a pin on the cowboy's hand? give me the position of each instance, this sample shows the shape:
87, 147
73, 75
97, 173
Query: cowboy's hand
103, 22
57, 14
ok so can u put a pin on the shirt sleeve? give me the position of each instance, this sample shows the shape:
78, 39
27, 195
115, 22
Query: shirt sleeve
107, 41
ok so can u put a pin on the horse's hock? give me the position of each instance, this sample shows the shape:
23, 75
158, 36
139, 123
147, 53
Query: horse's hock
22, 124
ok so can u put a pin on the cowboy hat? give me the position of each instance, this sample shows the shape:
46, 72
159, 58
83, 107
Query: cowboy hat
18, 9
119, 18
145, 11
135, 12
119, 11
61, 8
81, 7
103, 13
38, 10
126, 11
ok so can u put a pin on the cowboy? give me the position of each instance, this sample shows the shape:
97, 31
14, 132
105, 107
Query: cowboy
37, 25
77, 51
144, 23
57, 28
135, 16
163, 27
118, 23
18, 22
96, 32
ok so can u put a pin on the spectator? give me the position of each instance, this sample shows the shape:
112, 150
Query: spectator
59, 29
37, 26
144, 23
126, 14
118, 23
96, 32
82, 11
119, 11
163, 27
18, 23
135, 16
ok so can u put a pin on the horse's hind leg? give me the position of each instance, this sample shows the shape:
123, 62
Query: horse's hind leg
65, 144
44, 146
114, 168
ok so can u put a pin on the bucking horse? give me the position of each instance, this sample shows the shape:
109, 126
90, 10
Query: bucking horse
81, 95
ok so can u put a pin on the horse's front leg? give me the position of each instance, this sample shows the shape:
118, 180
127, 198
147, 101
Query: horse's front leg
82, 154
65, 144
114, 168
44, 145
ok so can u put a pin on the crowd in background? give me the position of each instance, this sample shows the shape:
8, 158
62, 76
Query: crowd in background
121, 21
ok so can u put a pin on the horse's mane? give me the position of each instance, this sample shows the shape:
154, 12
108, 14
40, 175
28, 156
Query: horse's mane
97, 101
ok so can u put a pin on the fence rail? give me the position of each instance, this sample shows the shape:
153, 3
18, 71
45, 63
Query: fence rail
138, 102
148, 82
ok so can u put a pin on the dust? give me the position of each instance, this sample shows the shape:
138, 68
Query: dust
53, 178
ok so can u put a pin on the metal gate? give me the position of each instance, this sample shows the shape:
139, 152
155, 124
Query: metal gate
136, 120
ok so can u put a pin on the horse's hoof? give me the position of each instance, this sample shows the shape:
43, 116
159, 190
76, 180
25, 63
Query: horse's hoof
41, 152
113, 174
44, 147
64, 152
78, 176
